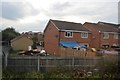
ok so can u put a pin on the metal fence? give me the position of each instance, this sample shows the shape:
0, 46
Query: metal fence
30, 63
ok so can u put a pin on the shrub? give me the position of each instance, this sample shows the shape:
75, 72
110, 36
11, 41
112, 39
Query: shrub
35, 75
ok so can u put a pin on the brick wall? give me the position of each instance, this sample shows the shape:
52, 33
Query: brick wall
77, 37
110, 41
51, 39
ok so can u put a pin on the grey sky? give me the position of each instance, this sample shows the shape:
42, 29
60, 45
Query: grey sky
16, 10
33, 15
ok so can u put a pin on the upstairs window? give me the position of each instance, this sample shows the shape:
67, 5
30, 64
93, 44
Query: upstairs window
69, 34
84, 34
105, 35
115, 35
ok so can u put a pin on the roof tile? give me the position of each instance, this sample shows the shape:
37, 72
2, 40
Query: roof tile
64, 25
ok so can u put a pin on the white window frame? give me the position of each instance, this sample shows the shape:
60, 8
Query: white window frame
115, 35
105, 35
84, 34
115, 44
67, 36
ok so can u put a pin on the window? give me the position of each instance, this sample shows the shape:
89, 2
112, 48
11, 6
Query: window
115, 35
84, 35
105, 46
69, 34
105, 35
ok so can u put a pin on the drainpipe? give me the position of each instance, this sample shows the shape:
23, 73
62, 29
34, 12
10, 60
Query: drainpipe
58, 43
99, 39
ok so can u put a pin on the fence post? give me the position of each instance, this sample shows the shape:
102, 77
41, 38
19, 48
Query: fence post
6, 60
73, 59
73, 62
38, 63
46, 66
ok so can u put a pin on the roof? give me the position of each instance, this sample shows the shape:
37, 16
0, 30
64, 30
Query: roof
19, 38
108, 27
100, 27
108, 24
64, 25
71, 44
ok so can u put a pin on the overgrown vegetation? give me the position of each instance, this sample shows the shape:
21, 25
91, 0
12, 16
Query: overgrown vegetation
11, 75
11, 51
34, 46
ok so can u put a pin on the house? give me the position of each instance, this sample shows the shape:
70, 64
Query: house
103, 34
40, 38
62, 31
108, 24
36, 36
21, 42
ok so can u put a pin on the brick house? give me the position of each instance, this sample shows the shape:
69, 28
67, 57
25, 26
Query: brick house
57, 31
103, 34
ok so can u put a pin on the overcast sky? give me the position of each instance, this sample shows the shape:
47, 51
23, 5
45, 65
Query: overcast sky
33, 15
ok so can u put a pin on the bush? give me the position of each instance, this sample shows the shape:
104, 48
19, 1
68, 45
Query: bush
107, 71
13, 51
34, 46
7, 74
34, 74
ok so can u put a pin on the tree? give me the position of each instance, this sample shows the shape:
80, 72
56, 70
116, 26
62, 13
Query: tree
9, 33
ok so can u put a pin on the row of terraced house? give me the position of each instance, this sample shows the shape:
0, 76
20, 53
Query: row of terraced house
92, 35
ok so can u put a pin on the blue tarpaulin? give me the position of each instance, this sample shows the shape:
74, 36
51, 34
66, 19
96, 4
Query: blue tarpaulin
71, 44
